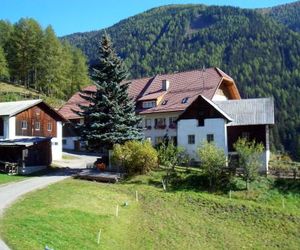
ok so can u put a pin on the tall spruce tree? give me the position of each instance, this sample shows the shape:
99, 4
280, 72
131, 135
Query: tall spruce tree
110, 118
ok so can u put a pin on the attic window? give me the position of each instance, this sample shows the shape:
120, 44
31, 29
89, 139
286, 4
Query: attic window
184, 100
149, 104
164, 102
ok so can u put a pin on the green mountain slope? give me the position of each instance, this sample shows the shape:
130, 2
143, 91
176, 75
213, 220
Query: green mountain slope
13, 92
287, 14
262, 55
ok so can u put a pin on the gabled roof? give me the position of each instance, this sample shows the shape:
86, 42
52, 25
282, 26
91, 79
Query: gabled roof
259, 111
212, 104
13, 108
189, 84
222, 112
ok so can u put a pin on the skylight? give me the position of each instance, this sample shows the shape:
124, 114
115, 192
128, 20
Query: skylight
184, 100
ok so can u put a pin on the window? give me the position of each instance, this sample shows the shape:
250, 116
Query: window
191, 139
160, 123
172, 122
149, 104
24, 125
64, 141
210, 137
164, 102
148, 123
49, 126
184, 100
37, 125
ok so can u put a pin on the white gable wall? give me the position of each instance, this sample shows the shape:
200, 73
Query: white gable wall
216, 126
57, 143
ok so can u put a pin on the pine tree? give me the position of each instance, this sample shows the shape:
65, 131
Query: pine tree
3, 65
24, 51
110, 118
79, 72
49, 77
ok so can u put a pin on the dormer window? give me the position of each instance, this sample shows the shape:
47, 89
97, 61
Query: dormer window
184, 100
164, 102
149, 104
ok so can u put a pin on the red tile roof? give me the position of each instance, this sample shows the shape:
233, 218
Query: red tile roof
189, 84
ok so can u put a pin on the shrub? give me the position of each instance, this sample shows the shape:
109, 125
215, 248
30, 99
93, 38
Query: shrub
136, 157
249, 154
170, 156
213, 160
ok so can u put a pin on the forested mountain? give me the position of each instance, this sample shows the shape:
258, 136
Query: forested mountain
262, 55
37, 59
287, 14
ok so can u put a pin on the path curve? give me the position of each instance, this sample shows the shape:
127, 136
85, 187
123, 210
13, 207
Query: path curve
11, 192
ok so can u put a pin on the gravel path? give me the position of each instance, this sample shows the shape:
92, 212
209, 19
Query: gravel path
11, 192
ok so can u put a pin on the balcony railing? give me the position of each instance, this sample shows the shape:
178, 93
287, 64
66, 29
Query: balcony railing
160, 126
172, 126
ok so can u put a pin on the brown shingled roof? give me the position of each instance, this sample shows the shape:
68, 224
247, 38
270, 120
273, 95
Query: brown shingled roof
189, 84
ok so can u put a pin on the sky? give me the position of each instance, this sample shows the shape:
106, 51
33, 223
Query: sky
70, 16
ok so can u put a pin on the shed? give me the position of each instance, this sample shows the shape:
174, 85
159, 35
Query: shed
27, 154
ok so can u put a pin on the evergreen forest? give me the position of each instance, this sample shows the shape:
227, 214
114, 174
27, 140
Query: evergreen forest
35, 58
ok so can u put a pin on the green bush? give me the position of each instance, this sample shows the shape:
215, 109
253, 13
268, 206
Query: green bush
249, 154
136, 157
170, 155
213, 161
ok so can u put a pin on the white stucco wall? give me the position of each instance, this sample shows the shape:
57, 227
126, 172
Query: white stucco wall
12, 127
153, 132
69, 142
216, 126
57, 143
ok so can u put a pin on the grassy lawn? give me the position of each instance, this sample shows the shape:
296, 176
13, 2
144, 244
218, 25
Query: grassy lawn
13, 92
4, 178
69, 215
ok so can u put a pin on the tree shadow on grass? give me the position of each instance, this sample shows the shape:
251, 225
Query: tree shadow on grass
287, 186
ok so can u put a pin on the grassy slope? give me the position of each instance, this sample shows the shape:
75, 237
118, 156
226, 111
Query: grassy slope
69, 215
12, 92
4, 178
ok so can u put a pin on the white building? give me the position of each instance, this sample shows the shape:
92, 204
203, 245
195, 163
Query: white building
189, 107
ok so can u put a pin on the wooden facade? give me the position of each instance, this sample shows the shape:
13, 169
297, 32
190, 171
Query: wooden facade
36, 121
251, 132
227, 88
200, 110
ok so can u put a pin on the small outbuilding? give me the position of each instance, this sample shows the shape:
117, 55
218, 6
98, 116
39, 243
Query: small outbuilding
26, 155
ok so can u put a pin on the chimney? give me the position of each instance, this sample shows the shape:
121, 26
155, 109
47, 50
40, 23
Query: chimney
165, 85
